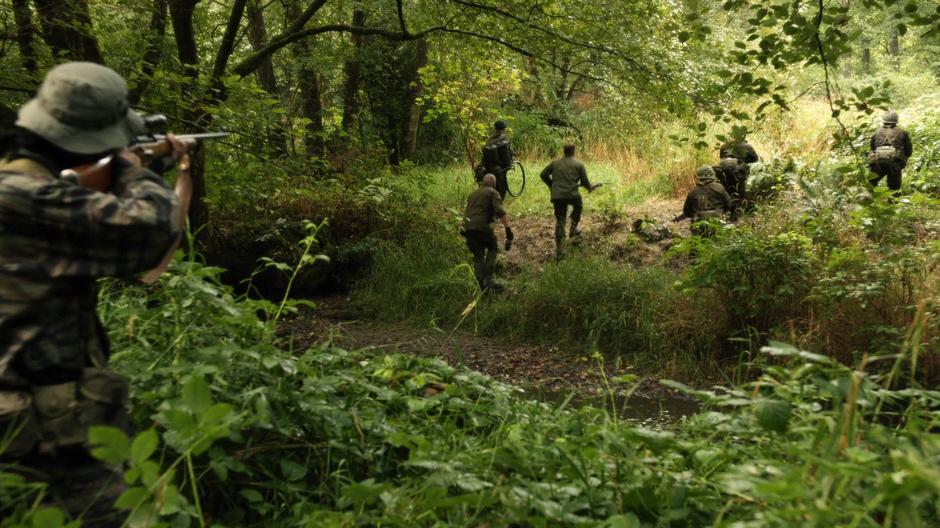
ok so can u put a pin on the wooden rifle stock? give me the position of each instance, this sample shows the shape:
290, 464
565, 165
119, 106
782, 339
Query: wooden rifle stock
98, 175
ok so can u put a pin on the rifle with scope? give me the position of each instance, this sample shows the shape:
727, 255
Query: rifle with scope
153, 149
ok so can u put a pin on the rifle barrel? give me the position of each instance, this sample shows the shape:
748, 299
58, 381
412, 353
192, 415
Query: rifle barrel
204, 135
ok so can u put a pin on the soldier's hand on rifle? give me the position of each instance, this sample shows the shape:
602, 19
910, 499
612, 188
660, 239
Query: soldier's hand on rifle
509, 237
177, 151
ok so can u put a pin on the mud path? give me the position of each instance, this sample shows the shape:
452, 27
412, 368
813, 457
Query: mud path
545, 368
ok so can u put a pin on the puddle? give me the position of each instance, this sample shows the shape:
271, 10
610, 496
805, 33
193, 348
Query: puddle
658, 410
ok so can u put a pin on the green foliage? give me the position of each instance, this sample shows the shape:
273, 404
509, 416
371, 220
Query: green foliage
248, 434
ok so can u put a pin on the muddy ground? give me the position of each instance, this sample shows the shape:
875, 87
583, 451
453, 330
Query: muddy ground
537, 367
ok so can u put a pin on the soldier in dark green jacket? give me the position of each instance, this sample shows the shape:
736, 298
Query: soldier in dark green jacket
484, 206
890, 149
708, 200
563, 176
59, 238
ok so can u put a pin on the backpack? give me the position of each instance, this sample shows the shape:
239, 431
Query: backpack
491, 157
886, 152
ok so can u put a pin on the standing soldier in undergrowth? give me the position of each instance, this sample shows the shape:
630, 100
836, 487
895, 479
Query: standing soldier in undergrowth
484, 206
563, 176
58, 238
890, 147
708, 200
733, 169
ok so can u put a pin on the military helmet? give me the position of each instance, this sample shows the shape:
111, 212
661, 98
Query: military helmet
728, 163
82, 107
890, 118
706, 174
499, 124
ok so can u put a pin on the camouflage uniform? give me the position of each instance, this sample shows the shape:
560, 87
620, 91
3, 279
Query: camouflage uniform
58, 239
497, 159
707, 200
484, 206
563, 176
890, 135
733, 169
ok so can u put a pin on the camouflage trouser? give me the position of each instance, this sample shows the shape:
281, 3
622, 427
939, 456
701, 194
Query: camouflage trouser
45, 430
81, 486
484, 247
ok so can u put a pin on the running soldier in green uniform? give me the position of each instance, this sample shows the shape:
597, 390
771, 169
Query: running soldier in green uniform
484, 206
58, 239
563, 176
890, 149
707, 200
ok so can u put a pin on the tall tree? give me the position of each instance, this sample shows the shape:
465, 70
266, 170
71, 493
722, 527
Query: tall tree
154, 50
23, 18
257, 37
353, 68
67, 29
308, 84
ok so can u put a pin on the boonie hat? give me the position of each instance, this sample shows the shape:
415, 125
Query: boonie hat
82, 107
706, 174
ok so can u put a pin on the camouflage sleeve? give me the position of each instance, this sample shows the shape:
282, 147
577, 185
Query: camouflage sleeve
89, 233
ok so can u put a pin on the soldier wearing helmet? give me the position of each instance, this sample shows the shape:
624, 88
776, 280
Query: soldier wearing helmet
58, 239
890, 148
733, 168
707, 200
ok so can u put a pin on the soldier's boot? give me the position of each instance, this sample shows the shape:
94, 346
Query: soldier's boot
574, 232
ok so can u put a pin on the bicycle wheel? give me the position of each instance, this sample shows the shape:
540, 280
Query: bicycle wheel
515, 173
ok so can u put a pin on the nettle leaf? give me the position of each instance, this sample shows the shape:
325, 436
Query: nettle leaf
196, 395
112, 444
292, 470
774, 415
144, 445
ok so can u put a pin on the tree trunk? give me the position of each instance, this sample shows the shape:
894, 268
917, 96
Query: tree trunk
67, 28
24, 34
417, 90
309, 88
154, 51
894, 47
353, 69
257, 36
866, 61
181, 15
531, 91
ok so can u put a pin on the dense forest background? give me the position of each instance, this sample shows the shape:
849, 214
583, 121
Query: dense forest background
355, 125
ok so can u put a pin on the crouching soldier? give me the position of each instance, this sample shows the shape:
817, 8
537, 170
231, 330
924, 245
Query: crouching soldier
708, 200
484, 206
